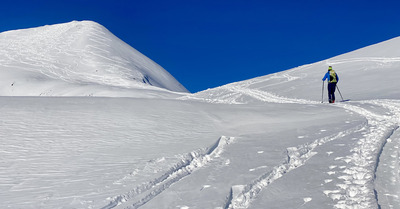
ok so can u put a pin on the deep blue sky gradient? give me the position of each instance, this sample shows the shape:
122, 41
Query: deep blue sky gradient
209, 43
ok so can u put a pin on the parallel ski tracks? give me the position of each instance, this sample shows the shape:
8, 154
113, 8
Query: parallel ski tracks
140, 195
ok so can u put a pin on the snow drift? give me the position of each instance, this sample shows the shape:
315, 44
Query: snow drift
77, 59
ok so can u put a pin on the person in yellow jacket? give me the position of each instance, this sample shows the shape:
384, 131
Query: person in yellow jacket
333, 78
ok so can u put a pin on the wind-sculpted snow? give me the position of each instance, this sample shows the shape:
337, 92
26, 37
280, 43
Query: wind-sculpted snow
275, 155
76, 59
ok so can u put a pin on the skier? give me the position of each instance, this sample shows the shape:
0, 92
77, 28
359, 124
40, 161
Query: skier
333, 78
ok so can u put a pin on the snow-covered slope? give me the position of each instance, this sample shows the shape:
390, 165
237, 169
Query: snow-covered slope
368, 73
280, 148
77, 59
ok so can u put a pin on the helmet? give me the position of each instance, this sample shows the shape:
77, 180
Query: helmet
330, 68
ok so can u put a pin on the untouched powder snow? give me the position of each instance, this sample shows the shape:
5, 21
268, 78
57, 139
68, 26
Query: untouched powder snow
267, 142
77, 59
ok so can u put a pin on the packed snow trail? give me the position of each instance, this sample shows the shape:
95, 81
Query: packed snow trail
358, 188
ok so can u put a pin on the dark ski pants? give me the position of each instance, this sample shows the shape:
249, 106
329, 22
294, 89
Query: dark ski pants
331, 92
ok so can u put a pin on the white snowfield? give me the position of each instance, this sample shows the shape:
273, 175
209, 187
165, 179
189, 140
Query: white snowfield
267, 142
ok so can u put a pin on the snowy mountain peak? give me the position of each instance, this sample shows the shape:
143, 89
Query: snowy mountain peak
76, 59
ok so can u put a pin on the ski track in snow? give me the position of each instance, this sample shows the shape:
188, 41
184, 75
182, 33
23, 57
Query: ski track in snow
365, 59
147, 191
357, 190
231, 94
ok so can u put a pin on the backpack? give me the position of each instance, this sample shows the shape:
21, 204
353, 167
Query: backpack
332, 76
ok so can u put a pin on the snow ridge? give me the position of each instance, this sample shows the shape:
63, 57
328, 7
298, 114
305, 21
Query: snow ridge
147, 191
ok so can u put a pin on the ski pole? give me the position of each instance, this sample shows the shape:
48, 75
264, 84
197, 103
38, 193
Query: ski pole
323, 84
339, 92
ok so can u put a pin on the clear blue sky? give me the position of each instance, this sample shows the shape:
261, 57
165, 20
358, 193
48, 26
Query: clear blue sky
209, 43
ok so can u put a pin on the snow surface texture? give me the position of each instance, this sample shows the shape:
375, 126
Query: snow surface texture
76, 59
267, 142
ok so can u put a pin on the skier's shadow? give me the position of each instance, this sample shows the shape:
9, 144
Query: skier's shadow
346, 100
